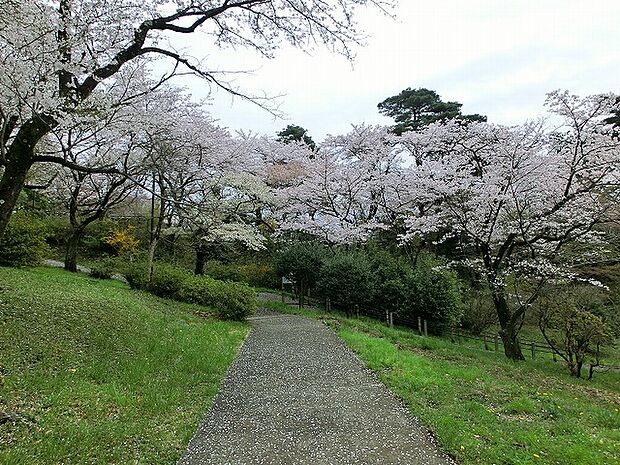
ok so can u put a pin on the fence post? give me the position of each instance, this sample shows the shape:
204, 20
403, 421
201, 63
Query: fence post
496, 344
484, 338
420, 325
387, 317
282, 295
425, 329
391, 319
533, 350
357, 310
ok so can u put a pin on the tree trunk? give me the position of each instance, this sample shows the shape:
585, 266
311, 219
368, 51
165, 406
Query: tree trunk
73, 244
512, 346
575, 368
155, 227
19, 159
11, 184
509, 330
201, 259
151, 257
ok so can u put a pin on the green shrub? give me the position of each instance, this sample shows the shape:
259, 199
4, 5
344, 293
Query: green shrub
197, 290
254, 274
104, 268
433, 294
136, 274
301, 261
259, 275
231, 301
390, 291
167, 280
58, 230
24, 241
347, 279
223, 272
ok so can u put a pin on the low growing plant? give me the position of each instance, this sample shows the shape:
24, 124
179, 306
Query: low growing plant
23, 242
230, 300
104, 268
167, 280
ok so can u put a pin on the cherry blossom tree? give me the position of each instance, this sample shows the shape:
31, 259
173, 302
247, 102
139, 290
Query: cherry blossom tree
178, 150
54, 54
348, 188
115, 145
518, 197
208, 184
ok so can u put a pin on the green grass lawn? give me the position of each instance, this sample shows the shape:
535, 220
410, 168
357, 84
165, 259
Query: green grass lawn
92, 372
485, 409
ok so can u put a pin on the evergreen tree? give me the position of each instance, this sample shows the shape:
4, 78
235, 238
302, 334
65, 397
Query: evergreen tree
413, 109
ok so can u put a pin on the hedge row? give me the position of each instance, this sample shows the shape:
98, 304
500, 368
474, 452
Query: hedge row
231, 300
375, 282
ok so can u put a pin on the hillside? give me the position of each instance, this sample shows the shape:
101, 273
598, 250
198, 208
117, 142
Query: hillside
93, 372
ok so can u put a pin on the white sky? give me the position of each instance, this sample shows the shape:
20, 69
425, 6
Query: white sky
496, 57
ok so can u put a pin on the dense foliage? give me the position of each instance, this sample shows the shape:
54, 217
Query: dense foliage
229, 300
347, 279
412, 109
371, 282
24, 243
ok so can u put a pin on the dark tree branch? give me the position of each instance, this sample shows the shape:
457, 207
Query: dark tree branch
75, 166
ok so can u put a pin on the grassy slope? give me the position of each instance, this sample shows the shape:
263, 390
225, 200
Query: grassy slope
486, 409
93, 372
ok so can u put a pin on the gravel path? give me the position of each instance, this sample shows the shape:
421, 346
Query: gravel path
81, 269
296, 395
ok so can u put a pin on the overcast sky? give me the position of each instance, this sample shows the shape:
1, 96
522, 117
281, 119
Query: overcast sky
496, 57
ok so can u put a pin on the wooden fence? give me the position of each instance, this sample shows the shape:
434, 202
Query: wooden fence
489, 341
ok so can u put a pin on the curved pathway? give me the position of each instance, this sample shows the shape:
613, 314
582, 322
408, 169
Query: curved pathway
296, 395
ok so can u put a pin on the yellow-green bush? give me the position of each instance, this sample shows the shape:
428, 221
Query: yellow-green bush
23, 242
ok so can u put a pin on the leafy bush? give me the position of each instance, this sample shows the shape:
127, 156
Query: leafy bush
196, 290
95, 234
390, 289
103, 269
433, 294
259, 275
232, 301
136, 274
24, 241
301, 261
347, 279
58, 230
167, 280
254, 274
221, 271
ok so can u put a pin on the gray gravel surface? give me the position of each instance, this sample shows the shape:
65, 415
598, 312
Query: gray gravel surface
81, 269
296, 395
